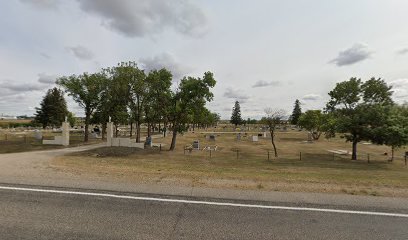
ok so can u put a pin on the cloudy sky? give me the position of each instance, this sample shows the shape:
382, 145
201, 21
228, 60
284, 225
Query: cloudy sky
263, 53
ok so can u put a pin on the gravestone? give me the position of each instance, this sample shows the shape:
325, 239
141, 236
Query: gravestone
94, 135
212, 138
196, 144
254, 138
38, 135
239, 136
148, 141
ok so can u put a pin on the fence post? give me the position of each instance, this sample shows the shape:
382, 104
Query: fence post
160, 147
268, 155
300, 156
368, 158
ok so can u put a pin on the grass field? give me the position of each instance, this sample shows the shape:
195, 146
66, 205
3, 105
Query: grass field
317, 171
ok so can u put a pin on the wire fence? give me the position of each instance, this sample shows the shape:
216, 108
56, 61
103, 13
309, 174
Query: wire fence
305, 157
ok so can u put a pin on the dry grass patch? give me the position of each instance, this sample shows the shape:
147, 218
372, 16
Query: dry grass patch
13, 142
318, 171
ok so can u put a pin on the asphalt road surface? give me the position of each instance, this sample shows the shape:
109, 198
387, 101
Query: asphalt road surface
74, 214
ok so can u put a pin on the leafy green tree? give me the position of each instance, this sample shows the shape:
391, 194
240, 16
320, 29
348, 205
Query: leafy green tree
53, 109
71, 119
158, 97
205, 118
138, 93
395, 132
236, 118
359, 108
191, 93
214, 119
86, 90
317, 122
297, 112
273, 119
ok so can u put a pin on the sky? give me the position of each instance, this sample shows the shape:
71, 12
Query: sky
263, 53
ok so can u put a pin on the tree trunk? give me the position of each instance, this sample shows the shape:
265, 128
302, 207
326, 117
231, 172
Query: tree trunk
316, 135
173, 140
392, 153
138, 123
131, 129
165, 129
149, 129
273, 143
354, 154
87, 120
138, 132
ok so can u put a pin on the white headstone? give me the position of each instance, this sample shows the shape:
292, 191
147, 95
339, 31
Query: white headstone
38, 135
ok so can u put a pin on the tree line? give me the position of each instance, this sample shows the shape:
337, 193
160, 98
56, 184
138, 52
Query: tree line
357, 111
128, 95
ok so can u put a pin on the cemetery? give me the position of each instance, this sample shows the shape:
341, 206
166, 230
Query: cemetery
153, 131
234, 162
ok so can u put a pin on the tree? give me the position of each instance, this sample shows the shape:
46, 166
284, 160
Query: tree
53, 109
71, 119
158, 97
272, 119
190, 94
236, 114
395, 132
138, 92
359, 108
317, 122
86, 90
297, 112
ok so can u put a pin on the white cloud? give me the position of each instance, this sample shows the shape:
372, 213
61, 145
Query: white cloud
42, 4
138, 18
25, 87
311, 97
236, 94
400, 89
402, 51
46, 78
81, 52
167, 61
45, 55
357, 53
262, 83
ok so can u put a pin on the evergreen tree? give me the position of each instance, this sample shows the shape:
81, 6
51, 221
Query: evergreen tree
53, 109
297, 111
236, 114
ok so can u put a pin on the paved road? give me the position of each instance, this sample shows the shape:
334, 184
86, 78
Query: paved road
66, 215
